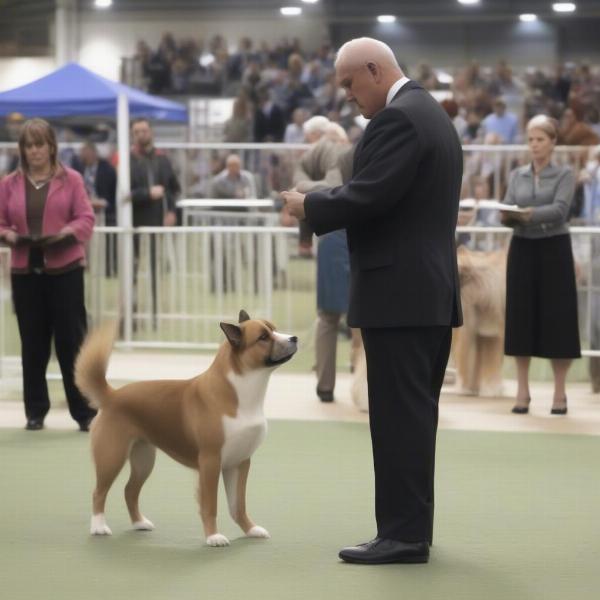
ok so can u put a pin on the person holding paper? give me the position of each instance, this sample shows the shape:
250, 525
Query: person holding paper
46, 218
541, 294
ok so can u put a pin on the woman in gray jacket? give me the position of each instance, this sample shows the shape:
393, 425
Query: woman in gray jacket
541, 294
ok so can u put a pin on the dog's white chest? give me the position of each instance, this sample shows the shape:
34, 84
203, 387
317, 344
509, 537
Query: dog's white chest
244, 433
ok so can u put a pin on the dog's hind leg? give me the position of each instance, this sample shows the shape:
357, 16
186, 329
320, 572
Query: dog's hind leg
235, 486
109, 453
141, 457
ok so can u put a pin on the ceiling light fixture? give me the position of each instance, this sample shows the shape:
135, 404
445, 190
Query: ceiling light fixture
527, 17
386, 18
564, 7
290, 11
468, 2
102, 3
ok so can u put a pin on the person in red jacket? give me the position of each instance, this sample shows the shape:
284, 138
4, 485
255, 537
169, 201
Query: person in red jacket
46, 218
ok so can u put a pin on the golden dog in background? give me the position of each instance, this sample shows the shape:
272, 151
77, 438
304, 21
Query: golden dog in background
478, 346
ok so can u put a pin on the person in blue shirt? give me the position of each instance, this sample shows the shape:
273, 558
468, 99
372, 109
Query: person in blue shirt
502, 122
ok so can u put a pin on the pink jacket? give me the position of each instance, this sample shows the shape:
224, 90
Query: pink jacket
67, 206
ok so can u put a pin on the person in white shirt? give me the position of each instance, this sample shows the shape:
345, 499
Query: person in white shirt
294, 132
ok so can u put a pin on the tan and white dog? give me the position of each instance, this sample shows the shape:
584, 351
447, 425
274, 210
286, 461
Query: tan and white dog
212, 423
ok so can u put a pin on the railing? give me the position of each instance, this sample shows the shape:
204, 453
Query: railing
187, 279
493, 165
273, 164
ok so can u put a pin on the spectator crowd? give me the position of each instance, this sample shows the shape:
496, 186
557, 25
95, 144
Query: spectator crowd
278, 85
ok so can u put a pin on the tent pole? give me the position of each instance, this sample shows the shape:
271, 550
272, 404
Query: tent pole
124, 216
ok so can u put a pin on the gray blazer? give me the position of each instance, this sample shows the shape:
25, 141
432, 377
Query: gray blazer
318, 167
550, 198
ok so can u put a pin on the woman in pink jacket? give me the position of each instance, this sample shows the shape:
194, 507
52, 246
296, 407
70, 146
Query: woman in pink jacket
46, 218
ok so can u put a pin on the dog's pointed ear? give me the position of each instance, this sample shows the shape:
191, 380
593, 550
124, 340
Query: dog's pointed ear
244, 316
233, 334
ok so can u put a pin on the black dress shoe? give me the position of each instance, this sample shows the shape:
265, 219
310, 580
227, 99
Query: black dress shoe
325, 396
85, 424
34, 424
381, 551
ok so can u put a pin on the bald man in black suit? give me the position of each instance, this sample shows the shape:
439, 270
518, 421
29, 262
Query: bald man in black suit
400, 211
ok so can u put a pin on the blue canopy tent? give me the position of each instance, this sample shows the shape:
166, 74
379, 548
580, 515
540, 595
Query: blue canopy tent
73, 90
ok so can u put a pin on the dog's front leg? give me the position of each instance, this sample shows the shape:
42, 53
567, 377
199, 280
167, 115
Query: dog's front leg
235, 486
209, 467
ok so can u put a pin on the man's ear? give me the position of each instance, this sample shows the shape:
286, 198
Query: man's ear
233, 334
244, 316
374, 71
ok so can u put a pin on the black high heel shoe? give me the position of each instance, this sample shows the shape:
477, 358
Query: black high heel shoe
559, 408
521, 407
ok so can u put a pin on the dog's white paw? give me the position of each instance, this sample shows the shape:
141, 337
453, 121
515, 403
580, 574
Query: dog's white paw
98, 525
143, 525
258, 532
217, 540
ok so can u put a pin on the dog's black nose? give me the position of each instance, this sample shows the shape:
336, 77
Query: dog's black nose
294, 339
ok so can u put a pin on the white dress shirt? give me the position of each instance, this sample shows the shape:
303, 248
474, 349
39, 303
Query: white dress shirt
394, 89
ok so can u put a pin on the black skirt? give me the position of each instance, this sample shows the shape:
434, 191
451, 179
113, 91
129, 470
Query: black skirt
541, 299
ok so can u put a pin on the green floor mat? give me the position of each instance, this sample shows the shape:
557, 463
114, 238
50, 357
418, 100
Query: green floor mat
517, 518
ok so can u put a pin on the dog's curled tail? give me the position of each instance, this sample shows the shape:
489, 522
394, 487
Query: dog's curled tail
92, 362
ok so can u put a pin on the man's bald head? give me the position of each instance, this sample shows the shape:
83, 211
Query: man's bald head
233, 164
367, 69
361, 50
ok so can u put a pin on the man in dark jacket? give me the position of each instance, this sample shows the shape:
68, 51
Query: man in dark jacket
269, 120
154, 189
154, 186
399, 210
100, 180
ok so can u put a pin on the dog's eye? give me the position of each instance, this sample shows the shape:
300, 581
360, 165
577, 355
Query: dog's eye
263, 337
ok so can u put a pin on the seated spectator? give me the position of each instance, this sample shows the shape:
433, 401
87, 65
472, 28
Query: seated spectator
233, 182
239, 60
238, 128
294, 132
141, 59
501, 122
292, 93
574, 132
179, 75
313, 75
472, 133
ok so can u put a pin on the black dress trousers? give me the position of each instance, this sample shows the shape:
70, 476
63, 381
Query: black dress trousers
405, 367
50, 306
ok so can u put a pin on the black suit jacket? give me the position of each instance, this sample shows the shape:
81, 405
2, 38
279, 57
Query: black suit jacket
105, 187
400, 210
154, 169
271, 127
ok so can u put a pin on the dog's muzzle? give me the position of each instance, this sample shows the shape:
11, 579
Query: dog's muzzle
284, 348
